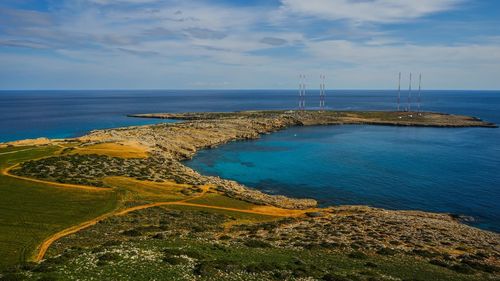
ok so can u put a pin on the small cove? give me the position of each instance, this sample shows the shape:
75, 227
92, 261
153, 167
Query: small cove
430, 169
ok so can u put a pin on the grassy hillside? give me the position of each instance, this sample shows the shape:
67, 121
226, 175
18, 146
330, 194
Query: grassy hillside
165, 243
30, 212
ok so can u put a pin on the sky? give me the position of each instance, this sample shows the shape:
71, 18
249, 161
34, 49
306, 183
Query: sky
254, 44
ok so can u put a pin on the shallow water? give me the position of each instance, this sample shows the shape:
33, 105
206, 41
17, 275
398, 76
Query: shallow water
433, 169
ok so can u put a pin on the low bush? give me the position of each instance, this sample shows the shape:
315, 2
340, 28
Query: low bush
387, 252
254, 243
357, 255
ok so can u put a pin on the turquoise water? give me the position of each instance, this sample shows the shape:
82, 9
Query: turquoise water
443, 170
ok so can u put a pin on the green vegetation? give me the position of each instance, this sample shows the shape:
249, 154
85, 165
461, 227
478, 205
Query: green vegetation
189, 248
90, 169
30, 212
194, 233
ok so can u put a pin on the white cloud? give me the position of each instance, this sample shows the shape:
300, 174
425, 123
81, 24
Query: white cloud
174, 43
380, 11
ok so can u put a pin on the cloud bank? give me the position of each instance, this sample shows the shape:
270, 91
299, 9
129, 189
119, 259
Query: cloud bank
202, 44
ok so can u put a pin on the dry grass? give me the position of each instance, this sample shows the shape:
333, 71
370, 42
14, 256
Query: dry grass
122, 150
275, 211
137, 190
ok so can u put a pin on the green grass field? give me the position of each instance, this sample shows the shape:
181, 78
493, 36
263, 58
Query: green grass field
30, 212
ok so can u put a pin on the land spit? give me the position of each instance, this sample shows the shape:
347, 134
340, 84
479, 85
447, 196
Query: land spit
171, 143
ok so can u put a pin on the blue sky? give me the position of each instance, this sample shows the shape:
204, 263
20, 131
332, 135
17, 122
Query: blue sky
174, 44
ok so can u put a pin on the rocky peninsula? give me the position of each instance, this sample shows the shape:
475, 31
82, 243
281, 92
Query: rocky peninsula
170, 143
180, 141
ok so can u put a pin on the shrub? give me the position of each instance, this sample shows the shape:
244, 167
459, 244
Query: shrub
132, 232
481, 266
107, 257
262, 266
159, 236
424, 253
210, 268
387, 252
47, 278
254, 243
174, 260
462, 268
44, 267
112, 243
334, 277
358, 255
11, 277
225, 237
438, 263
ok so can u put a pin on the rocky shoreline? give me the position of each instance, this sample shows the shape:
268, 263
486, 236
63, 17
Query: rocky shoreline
169, 144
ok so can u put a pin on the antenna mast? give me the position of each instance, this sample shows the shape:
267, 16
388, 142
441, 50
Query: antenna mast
300, 91
322, 92
419, 90
409, 96
399, 90
304, 93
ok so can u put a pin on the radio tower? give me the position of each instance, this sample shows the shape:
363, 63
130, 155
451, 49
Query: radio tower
302, 92
399, 91
409, 96
322, 93
419, 90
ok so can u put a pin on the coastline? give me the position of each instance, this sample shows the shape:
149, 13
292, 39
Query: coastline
172, 143
180, 141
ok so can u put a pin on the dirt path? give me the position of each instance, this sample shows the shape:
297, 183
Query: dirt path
42, 249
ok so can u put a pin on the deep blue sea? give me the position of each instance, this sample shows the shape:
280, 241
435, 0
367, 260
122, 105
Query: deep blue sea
443, 170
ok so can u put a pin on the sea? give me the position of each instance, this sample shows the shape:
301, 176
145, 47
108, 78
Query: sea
451, 170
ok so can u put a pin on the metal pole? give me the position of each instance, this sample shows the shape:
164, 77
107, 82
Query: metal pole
399, 90
419, 90
304, 94
324, 91
409, 96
